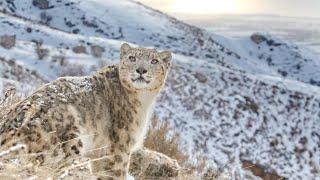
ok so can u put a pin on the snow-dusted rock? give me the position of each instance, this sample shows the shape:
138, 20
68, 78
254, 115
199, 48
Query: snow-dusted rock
7, 41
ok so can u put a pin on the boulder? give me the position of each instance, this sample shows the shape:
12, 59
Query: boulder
147, 164
201, 78
97, 50
41, 4
260, 171
258, 38
79, 49
7, 41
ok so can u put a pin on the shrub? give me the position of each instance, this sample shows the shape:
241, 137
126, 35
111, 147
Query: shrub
157, 139
41, 52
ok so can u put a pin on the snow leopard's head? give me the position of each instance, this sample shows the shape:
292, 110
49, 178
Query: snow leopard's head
143, 69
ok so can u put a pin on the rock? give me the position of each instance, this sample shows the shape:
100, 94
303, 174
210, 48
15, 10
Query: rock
201, 78
79, 49
273, 43
92, 23
97, 51
258, 38
76, 31
147, 164
29, 30
210, 175
7, 41
260, 171
314, 82
41, 4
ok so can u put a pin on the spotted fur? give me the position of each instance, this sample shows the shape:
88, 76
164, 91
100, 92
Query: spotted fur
103, 117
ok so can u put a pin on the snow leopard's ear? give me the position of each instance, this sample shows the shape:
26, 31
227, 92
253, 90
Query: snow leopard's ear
166, 56
125, 48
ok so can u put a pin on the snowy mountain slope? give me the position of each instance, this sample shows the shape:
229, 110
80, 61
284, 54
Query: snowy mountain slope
233, 116
59, 45
133, 22
26, 30
226, 114
288, 60
139, 24
217, 110
12, 74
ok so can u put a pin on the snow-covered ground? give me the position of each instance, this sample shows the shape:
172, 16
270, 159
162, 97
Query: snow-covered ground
231, 100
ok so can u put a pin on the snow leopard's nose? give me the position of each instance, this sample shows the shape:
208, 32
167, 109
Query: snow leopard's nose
141, 70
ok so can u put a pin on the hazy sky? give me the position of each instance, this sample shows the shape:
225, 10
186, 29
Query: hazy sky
309, 8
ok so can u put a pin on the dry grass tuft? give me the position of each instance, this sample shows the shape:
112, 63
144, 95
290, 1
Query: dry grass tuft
41, 52
158, 140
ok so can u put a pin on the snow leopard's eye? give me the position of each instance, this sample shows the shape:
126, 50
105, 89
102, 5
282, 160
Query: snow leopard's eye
132, 58
154, 61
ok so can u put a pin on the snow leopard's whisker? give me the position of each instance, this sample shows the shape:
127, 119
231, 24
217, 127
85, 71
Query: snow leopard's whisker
76, 138
90, 150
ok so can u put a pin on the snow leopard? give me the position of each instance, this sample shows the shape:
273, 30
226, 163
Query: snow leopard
103, 116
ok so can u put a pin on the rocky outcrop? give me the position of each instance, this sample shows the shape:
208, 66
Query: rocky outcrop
7, 41
147, 164
260, 171
258, 38
79, 49
41, 4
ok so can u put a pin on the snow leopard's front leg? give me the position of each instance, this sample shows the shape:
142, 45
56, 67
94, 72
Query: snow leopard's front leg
112, 167
115, 163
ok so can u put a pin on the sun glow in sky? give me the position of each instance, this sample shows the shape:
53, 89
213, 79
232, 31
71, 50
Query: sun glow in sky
280, 7
203, 6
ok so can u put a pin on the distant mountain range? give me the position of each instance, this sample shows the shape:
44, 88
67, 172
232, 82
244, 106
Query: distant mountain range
304, 31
